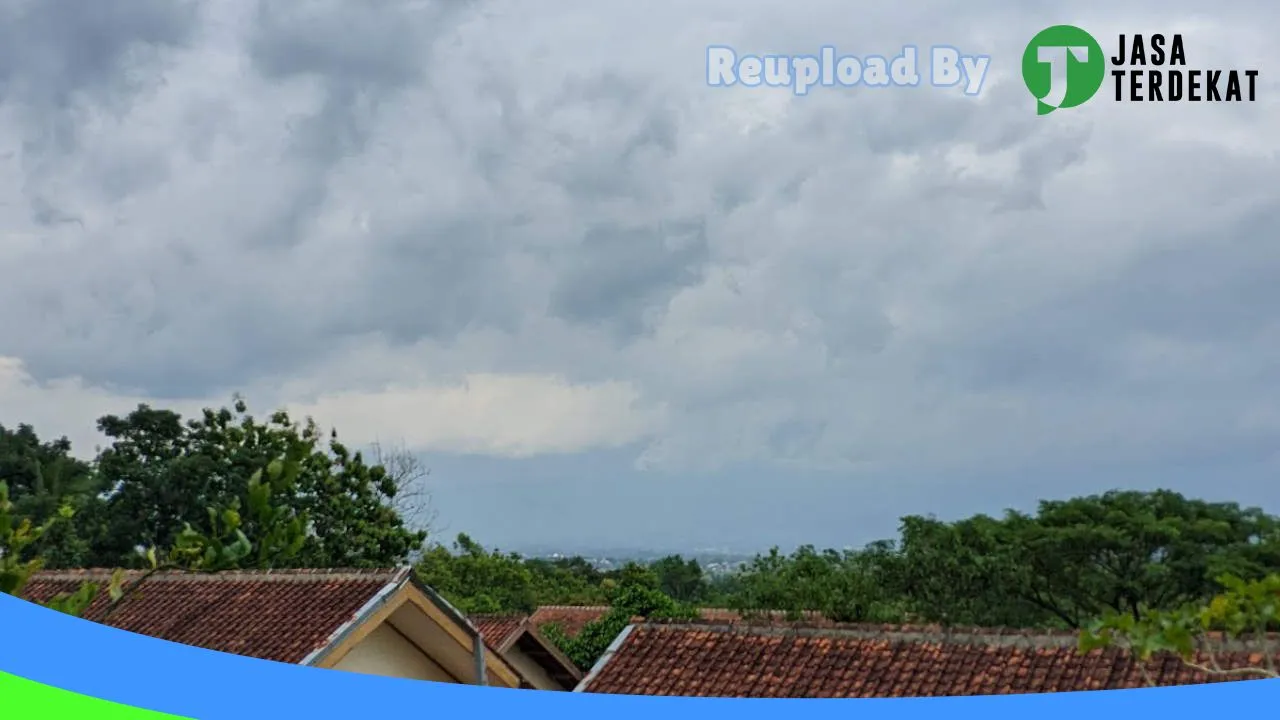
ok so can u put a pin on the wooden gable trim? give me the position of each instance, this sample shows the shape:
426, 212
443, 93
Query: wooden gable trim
361, 631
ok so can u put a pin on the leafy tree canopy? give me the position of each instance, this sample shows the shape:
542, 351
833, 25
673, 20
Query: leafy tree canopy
635, 593
163, 474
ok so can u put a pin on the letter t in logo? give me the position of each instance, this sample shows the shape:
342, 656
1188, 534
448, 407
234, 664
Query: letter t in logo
1063, 66
1056, 57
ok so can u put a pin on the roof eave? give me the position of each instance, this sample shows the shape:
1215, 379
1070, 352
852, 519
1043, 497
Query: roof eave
358, 618
570, 668
605, 658
448, 609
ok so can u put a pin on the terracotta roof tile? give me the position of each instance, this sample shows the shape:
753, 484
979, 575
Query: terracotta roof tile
497, 630
569, 618
503, 632
869, 661
281, 615
572, 618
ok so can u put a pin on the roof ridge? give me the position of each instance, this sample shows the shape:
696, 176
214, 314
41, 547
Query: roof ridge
924, 634
933, 628
772, 611
864, 628
764, 611
281, 575
79, 571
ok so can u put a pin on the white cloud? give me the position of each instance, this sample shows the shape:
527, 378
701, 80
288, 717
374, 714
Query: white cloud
65, 406
500, 415
509, 416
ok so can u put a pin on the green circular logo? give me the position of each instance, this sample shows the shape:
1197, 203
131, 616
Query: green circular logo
1063, 67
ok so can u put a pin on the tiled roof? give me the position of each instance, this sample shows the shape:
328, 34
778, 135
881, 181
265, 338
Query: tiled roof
502, 633
869, 661
572, 618
569, 618
761, 617
498, 630
281, 615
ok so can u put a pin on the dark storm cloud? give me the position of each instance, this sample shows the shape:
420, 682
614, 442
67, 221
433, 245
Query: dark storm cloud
374, 44
616, 274
324, 195
61, 60
50, 50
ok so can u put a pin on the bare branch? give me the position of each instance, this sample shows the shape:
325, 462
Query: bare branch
1213, 666
1211, 653
1128, 648
1146, 674
1267, 652
412, 499
1260, 672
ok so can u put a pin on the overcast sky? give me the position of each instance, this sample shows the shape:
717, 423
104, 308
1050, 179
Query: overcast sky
612, 305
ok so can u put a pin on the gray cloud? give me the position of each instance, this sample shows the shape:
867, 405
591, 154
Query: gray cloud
60, 63
39, 68
333, 196
616, 274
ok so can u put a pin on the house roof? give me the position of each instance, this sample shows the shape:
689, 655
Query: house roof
291, 616
282, 615
868, 661
761, 617
498, 630
504, 632
569, 618
572, 618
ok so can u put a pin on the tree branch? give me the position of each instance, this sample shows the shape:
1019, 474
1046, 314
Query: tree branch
1260, 672
1034, 598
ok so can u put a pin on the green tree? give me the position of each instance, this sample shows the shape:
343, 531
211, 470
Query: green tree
1077, 559
477, 580
681, 580
44, 478
164, 474
633, 594
39, 474
1127, 551
1240, 618
281, 535
962, 573
844, 586
633, 575
566, 581
278, 530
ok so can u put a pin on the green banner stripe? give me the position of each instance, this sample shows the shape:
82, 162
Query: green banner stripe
21, 699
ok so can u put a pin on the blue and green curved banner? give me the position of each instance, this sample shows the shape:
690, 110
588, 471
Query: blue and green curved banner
53, 666
22, 698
